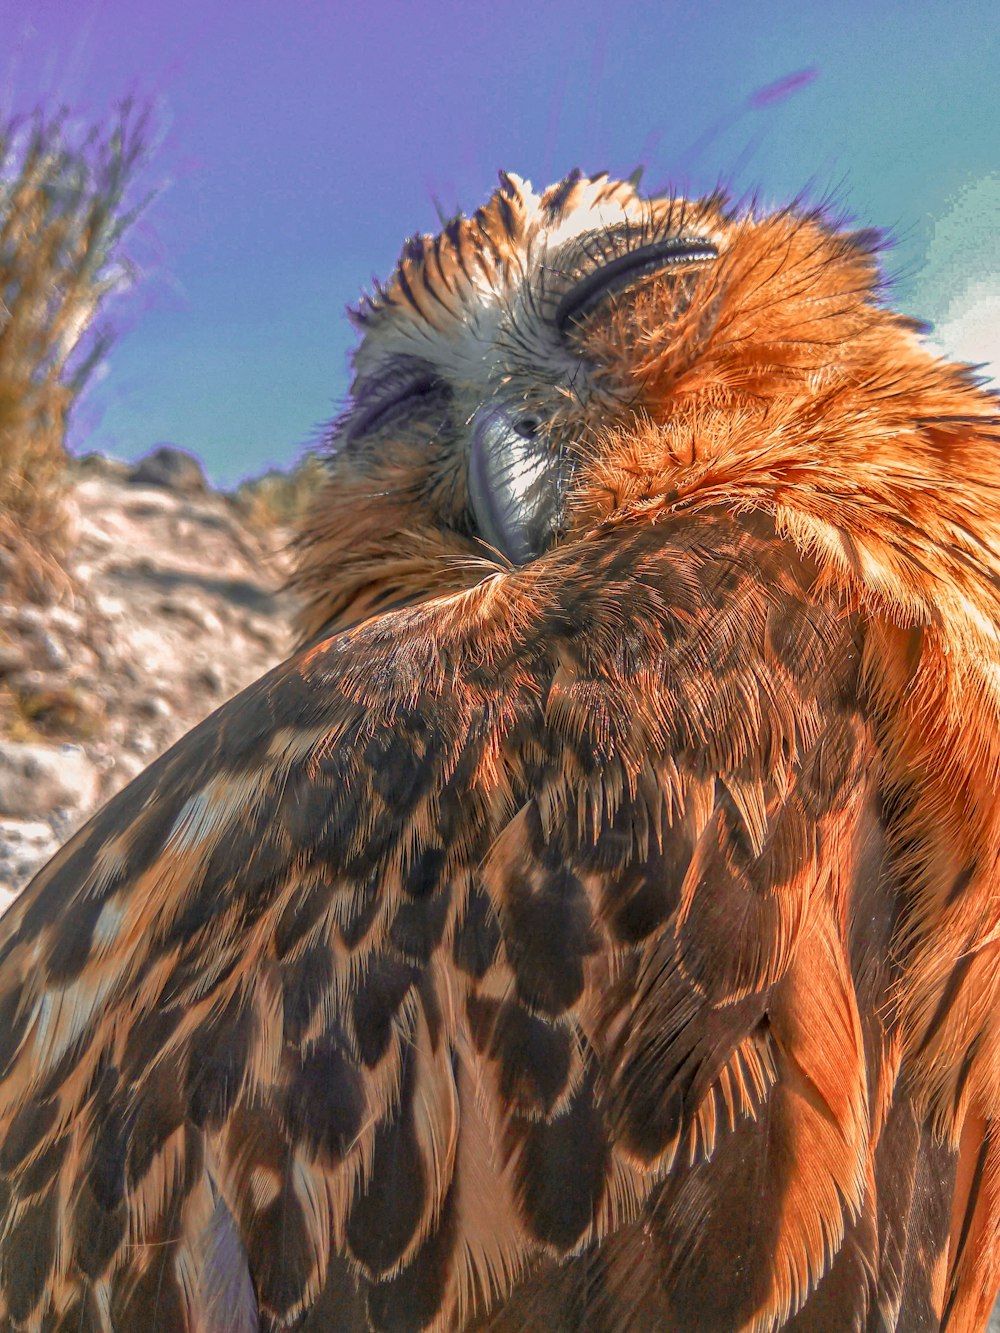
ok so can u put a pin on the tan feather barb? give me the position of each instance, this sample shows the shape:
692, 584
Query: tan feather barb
608, 942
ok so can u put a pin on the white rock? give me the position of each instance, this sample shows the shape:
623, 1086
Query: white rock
113, 608
154, 705
27, 832
25, 846
28, 617
128, 765
56, 654
192, 609
38, 779
63, 618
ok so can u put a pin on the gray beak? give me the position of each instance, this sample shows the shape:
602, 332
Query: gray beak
516, 483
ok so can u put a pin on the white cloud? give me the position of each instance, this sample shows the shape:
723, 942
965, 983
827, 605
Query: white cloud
971, 329
958, 287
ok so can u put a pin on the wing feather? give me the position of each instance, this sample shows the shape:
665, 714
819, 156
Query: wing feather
492, 964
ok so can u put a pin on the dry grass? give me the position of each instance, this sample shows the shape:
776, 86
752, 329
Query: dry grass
65, 204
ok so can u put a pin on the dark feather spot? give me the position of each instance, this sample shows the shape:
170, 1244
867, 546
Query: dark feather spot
418, 926
96, 1234
796, 635
642, 902
35, 1177
736, 928
13, 1025
482, 1016
723, 1215
612, 844
71, 943
29, 1254
159, 1113
45, 908
357, 914
424, 875
673, 1049
640, 894
341, 1306
533, 1057
243, 732
148, 1035
478, 937
152, 1300
112, 1126
150, 825
387, 1209
561, 1169
26, 1130
403, 762
376, 1002
366, 860
304, 809
219, 1051
188, 974
409, 1301
831, 772
303, 910
305, 981
325, 1101
81, 1316
263, 859
280, 1252
548, 933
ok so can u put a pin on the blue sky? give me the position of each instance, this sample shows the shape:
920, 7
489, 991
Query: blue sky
302, 141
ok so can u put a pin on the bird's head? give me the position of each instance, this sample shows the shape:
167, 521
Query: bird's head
563, 361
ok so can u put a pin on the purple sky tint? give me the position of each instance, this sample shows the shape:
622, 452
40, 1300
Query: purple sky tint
302, 141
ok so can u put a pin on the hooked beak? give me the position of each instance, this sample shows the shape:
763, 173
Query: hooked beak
516, 483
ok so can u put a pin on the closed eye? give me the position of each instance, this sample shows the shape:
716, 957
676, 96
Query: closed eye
626, 271
376, 410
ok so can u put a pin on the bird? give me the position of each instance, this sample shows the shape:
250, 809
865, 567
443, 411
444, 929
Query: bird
594, 924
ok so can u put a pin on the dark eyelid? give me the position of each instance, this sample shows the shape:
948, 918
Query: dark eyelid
627, 269
376, 408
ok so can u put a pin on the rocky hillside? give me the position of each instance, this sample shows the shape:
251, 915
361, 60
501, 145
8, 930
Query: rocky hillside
173, 603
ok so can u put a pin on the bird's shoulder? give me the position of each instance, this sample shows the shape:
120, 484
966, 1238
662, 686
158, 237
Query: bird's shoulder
478, 905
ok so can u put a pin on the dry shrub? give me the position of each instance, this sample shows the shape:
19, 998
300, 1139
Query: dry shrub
65, 204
